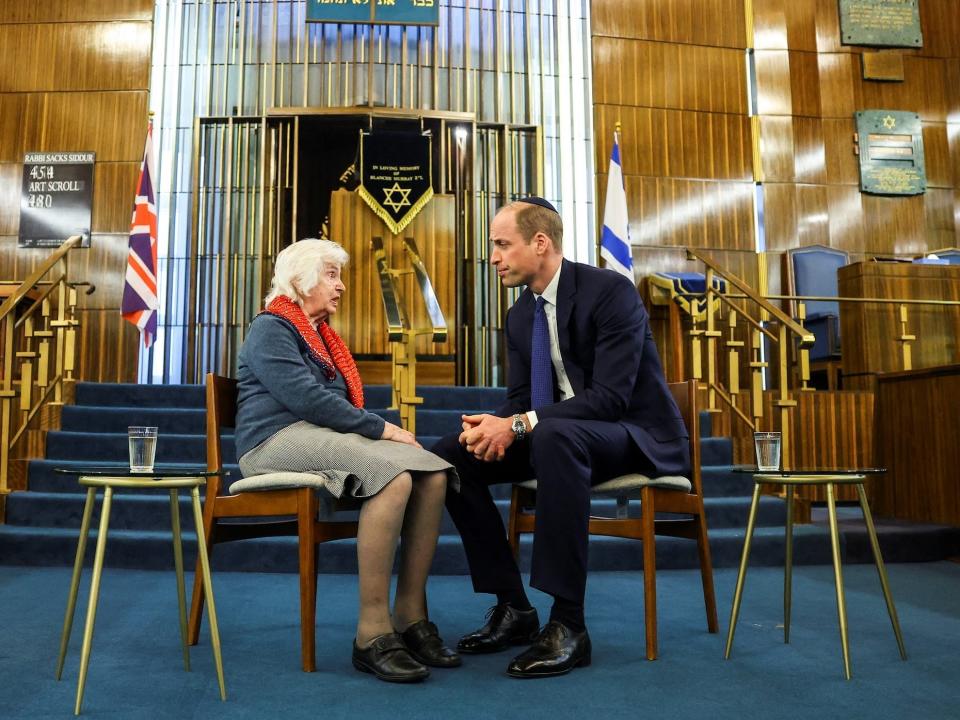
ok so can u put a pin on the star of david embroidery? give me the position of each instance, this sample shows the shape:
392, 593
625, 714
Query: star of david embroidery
889, 122
393, 204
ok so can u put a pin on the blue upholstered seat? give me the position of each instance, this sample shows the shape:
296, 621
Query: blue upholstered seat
815, 273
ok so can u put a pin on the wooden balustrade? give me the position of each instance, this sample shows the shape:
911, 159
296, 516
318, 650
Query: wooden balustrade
39, 352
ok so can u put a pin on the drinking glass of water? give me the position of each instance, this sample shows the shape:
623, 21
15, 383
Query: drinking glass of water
143, 447
767, 445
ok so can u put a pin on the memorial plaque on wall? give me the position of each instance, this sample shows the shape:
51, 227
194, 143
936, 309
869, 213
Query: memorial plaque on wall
384, 12
56, 198
881, 23
891, 153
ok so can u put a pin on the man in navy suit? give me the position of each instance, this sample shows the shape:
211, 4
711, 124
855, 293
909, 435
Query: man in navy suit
586, 401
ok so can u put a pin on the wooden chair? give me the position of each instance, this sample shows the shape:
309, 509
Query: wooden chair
293, 508
657, 495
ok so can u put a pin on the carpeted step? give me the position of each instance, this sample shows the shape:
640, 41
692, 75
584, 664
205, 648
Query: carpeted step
107, 419
99, 447
152, 550
134, 395
151, 511
706, 424
716, 451
723, 481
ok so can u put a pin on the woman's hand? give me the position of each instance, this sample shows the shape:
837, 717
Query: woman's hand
398, 434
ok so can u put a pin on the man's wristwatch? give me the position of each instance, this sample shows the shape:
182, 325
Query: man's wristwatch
519, 429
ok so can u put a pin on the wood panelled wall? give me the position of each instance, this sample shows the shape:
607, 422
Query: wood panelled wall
75, 76
808, 88
674, 73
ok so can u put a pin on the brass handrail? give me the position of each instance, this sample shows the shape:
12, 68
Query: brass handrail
37, 337
400, 331
805, 337
34, 278
785, 334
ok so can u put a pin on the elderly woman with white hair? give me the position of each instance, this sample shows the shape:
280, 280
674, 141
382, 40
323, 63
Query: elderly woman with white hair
300, 408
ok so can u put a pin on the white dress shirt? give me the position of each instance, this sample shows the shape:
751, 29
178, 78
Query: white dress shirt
550, 309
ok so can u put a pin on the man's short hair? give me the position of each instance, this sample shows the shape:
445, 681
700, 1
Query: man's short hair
532, 219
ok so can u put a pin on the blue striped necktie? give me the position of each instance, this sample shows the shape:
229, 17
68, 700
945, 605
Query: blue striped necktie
541, 370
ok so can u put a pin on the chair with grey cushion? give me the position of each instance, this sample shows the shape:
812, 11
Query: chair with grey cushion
678, 496
812, 271
268, 505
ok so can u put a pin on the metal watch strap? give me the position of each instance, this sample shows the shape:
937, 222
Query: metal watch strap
518, 427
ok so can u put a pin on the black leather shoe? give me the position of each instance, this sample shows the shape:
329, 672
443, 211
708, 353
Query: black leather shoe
426, 646
505, 626
557, 650
388, 658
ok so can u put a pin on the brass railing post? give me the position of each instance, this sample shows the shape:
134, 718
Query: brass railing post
905, 339
27, 387
804, 353
711, 334
784, 402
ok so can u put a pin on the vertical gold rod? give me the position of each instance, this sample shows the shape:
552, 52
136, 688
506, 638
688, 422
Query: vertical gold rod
742, 574
273, 57
498, 62
211, 24
178, 565
785, 403
242, 65
711, 343
6, 403
296, 176
838, 578
75, 578
307, 29
224, 291
788, 565
94, 595
405, 85
881, 569
193, 260
63, 322
370, 29
468, 104
208, 589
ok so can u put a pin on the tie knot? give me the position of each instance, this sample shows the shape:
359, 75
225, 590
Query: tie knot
541, 302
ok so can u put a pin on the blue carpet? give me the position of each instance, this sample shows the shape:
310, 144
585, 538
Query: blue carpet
136, 668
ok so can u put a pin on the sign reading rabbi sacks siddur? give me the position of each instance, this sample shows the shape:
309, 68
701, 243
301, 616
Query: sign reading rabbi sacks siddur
382, 12
891, 153
396, 175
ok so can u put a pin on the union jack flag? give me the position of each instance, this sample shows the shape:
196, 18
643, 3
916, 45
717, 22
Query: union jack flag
140, 302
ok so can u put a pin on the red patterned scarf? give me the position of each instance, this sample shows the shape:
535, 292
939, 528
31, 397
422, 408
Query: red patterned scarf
330, 353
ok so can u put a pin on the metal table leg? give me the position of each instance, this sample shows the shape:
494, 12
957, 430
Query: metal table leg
881, 569
178, 564
75, 579
741, 576
208, 589
94, 595
838, 578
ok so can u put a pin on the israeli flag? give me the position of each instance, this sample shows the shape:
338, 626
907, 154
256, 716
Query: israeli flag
615, 240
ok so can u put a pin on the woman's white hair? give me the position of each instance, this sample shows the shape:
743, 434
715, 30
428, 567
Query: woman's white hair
298, 267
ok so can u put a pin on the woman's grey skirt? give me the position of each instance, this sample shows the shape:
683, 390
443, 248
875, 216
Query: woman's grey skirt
356, 466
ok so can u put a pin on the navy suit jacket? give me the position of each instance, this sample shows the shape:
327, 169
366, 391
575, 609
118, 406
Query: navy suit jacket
610, 359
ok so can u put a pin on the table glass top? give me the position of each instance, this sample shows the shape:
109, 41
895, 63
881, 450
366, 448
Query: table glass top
825, 470
166, 471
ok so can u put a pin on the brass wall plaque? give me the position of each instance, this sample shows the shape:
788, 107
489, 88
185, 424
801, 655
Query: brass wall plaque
891, 153
886, 66
883, 23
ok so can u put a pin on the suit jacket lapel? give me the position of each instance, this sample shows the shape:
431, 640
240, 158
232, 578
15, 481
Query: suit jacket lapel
566, 300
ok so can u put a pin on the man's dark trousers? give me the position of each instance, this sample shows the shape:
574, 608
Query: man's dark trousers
566, 457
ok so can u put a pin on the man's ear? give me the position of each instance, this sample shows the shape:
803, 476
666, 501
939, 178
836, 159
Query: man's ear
543, 242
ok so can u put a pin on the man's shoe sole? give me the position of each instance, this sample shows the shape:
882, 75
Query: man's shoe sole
486, 650
390, 678
582, 662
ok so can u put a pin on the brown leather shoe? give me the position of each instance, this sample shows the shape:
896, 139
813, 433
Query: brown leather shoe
557, 650
505, 626
425, 645
388, 658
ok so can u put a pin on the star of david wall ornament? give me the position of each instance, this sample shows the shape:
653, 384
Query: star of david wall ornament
396, 175
890, 145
